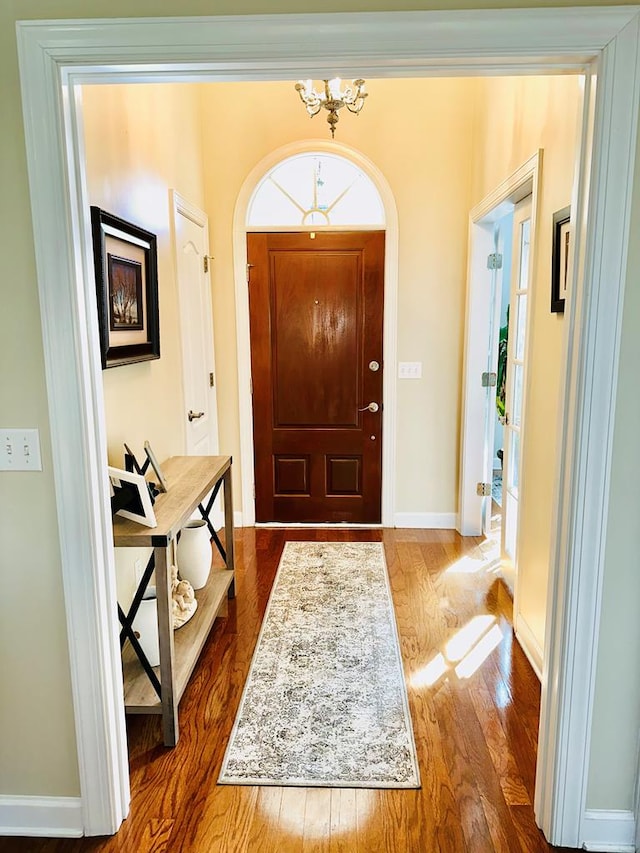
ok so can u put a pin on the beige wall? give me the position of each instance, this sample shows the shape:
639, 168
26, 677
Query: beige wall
141, 142
419, 134
518, 116
41, 756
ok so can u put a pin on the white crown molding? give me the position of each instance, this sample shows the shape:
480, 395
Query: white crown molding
49, 817
309, 43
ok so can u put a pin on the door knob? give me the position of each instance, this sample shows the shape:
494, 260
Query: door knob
193, 416
372, 407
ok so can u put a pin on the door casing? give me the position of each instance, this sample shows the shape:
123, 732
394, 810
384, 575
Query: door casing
390, 322
57, 56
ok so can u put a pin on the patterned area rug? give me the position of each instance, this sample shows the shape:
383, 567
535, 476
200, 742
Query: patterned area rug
325, 702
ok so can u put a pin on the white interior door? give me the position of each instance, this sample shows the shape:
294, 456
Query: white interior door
515, 385
491, 368
191, 242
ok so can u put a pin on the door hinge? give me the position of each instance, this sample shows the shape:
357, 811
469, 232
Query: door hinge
254, 492
489, 380
211, 383
494, 261
483, 489
251, 386
249, 268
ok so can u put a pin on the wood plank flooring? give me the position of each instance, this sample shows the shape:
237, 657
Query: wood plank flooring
474, 703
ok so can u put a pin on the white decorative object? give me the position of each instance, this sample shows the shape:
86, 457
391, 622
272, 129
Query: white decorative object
194, 553
145, 626
183, 600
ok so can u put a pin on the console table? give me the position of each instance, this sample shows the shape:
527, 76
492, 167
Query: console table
189, 480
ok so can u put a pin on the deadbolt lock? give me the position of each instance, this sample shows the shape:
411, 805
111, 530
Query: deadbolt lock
374, 366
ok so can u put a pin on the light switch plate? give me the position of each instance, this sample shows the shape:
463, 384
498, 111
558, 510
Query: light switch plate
20, 450
410, 370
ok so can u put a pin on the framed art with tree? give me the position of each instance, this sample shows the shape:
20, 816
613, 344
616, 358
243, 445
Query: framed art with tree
125, 257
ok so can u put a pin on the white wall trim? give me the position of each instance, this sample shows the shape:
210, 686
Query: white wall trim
48, 817
609, 831
76, 416
528, 643
593, 313
478, 312
56, 54
243, 338
426, 520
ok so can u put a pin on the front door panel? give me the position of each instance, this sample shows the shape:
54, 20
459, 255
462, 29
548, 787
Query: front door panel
316, 324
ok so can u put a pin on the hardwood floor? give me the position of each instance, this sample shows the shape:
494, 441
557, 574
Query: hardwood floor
474, 703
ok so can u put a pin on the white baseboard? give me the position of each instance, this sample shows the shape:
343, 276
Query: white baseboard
529, 644
608, 831
51, 817
426, 520
314, 525
237, 518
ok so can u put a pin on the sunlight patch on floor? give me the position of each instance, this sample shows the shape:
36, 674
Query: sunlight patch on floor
485, 558
478, 655
463, 654
464, 639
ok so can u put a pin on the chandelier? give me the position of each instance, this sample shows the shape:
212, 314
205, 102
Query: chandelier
332, 99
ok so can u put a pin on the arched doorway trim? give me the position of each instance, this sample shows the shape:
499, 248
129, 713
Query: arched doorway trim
240, 229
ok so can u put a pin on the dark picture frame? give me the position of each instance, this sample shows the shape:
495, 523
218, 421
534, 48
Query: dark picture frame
560, 258
126, 265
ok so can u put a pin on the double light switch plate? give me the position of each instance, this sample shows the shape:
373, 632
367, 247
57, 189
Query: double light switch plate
20, 450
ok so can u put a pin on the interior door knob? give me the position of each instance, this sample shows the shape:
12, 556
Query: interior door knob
193, 416
372, 407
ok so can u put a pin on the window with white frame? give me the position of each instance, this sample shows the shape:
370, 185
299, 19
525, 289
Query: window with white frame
315, 189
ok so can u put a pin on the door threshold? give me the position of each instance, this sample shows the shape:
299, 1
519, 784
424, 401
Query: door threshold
339, 525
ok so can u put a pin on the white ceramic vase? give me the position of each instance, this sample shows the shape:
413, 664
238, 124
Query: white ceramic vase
194, 553
145, 626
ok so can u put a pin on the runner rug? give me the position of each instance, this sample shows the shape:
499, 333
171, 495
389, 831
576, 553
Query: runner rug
325, 702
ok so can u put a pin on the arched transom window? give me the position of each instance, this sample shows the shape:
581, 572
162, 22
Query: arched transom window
316, 189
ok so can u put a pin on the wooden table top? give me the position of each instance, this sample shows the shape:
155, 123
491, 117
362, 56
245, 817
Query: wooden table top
189, 479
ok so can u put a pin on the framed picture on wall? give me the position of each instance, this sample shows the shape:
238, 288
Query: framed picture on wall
560, 258
126, 266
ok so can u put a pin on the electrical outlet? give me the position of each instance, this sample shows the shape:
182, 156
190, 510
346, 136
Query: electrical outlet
20, 450
410, 370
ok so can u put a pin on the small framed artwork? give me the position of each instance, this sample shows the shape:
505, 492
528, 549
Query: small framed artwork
560, 258
130, 497
162, 481
126, 267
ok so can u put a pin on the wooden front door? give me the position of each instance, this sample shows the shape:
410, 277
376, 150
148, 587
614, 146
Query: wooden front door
316, 358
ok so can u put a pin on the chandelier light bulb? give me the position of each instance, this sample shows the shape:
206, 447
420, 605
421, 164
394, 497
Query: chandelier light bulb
332, 98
